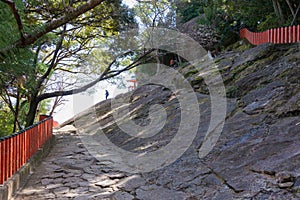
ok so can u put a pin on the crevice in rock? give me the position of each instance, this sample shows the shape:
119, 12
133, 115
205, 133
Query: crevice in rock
264, 172
222, 180
293, 113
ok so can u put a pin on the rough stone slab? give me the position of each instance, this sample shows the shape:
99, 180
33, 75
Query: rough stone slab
155, 192
46, 181
260, 138
67, 128
122, 196
61, 190
53, 186
131, 183
106, 182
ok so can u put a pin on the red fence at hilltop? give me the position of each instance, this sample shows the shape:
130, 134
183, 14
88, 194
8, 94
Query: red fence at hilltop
290, 34
16, 149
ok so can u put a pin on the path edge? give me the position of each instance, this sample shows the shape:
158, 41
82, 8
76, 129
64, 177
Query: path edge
20, 178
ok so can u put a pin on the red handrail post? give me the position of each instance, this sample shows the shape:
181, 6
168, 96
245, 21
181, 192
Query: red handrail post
275, 36
10, 149
294, 38
18, 151
267, 37
14, 154
23, 151
278, 36
290, 32
282, 35
298, 33
2, 161
286, 35
27, 145
5, 160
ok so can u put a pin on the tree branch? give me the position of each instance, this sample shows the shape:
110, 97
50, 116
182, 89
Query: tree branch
58, 46
11, 107
105, 75
290, 6
72, 14
67, 70
297, 11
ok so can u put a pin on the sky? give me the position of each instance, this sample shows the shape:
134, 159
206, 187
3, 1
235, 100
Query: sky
130, 3
79, 102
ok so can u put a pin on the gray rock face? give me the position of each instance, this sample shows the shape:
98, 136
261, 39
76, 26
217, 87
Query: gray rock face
155, 192
131, 183
256, 157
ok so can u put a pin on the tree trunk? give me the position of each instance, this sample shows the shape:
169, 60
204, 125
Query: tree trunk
36, 98
278, 11
291, 7
17, 107
32, 111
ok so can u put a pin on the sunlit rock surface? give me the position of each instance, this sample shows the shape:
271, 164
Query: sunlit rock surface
257, 155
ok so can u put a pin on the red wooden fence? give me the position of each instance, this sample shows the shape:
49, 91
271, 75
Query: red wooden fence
282, 35
16, 149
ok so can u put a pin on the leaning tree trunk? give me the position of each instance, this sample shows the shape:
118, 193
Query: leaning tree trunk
32, 111
17, 108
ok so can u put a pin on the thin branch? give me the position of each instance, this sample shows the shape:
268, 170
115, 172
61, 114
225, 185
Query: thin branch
297, 11
66, 70
103, 76
11, 107
290, 6
58, 46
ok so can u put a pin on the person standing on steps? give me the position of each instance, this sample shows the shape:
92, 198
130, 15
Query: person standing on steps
106, 94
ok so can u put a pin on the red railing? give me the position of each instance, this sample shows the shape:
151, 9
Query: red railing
16, 149
282, 35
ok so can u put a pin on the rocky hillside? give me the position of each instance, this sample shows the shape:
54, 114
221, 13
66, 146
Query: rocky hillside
205, 36
257, 155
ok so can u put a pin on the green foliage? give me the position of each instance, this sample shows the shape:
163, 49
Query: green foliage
191, 72
232, 91
7, 26
6, 120
156, 13
209, 16
14, 61
187, 10
22, 70
270, 21
228, 16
